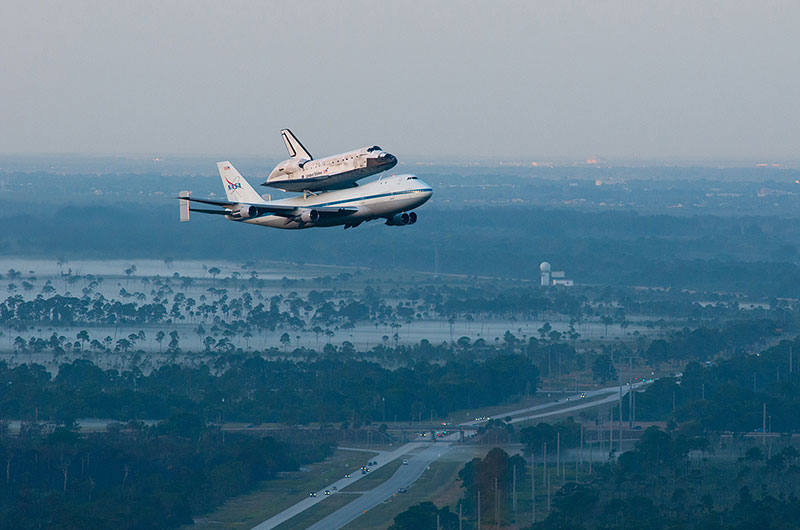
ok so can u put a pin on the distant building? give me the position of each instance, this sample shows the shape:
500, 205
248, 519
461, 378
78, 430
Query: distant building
545, 269
551, 277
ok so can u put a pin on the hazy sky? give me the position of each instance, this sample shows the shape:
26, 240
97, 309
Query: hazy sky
529, 80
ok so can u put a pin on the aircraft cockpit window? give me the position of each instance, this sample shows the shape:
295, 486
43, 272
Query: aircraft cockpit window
412, 178
374, 148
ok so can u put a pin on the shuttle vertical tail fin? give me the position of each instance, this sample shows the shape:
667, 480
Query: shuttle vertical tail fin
236, 187
293, 145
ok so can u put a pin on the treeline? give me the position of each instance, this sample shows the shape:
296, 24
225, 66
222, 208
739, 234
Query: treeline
255, 390
730, 395
665, 482
491, 480
656, 486
704, 343
756, 255
138, 477
236, 305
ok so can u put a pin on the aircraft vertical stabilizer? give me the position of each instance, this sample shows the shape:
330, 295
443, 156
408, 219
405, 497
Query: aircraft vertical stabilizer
236, 187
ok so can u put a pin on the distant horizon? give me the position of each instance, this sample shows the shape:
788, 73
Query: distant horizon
444, 160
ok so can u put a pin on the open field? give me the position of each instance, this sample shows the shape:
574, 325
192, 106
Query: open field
317, 512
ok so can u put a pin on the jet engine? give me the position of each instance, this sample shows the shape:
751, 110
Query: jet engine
309, 216
246, 211
412, 217
399, 219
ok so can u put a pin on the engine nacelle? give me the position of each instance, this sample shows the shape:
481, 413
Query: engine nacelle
246, 211
309, 216
399, 219
412, 217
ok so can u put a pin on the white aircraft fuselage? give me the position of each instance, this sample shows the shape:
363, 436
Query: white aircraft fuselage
384, 198
392, 198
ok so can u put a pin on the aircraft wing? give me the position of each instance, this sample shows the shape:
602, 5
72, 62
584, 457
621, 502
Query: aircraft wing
284, 210
333, 210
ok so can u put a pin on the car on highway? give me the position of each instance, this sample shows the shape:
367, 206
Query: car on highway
402, 490
327, 492
312, 494
405, 462
347, 475
583, 395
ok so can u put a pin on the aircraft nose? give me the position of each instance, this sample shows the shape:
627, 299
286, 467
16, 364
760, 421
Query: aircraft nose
427, 192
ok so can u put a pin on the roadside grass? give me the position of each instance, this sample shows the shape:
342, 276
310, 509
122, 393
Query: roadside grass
375, 478
308, 517
274, 496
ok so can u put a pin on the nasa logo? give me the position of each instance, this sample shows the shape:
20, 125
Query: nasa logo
233, 186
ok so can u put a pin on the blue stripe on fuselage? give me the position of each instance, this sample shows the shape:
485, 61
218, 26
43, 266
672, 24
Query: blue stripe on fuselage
355, 199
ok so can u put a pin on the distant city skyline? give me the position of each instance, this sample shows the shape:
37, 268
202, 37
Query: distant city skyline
518, 81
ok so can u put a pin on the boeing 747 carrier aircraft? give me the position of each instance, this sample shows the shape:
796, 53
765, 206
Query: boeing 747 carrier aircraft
303, 173
391, 198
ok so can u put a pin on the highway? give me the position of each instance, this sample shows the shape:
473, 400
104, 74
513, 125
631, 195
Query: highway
408, 474
382, 459
403, 478
611, 393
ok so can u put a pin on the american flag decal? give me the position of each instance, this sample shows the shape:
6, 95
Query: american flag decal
226, 167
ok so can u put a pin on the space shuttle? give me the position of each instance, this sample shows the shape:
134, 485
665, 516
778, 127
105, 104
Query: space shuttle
303, 173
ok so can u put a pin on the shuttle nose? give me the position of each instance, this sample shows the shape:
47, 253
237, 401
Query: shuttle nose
387, 159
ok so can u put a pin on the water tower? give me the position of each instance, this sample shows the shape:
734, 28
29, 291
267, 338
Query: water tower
545, 268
